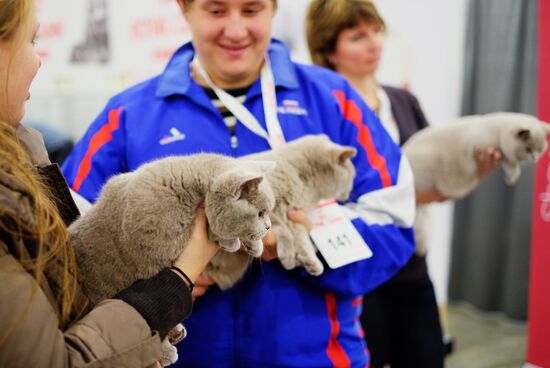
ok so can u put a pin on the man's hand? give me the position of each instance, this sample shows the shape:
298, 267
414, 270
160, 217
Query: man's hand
296, 215
430, 196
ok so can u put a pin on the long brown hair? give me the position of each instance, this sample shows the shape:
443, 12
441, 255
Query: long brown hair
46, 230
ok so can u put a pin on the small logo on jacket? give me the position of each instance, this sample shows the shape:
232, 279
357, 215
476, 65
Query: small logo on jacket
291, 107
175, 135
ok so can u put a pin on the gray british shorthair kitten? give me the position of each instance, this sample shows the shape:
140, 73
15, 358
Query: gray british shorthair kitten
143, 219
442, 157
307, 170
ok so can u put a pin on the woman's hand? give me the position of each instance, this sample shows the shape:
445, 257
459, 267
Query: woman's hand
199, 249
201, 286
487, 161
296, 215
430, 196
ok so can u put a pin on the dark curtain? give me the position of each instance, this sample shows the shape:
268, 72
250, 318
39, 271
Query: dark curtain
492, 227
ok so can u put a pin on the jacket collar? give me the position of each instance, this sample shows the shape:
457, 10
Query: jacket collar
176, 78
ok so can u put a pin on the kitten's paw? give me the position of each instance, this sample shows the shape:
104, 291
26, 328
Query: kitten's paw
288, 260
255, 248
511, 173
313, 266
176, 334
231, 245
169, 353
511, 179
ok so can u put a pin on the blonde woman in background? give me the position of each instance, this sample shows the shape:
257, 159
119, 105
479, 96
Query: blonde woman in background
400, 318
46, 319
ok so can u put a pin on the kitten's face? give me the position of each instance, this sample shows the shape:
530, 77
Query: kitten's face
239, 206
527, 143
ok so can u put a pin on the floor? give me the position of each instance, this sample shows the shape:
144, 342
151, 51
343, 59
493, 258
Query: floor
484, 340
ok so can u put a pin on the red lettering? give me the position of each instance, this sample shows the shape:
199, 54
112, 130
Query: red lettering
163, 54
51, 30
43, 54
152, 27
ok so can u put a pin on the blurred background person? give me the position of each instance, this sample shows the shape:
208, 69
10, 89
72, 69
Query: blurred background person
400, 319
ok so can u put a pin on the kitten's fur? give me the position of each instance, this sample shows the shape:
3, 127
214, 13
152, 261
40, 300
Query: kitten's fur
307, 170
442, 157
143, 219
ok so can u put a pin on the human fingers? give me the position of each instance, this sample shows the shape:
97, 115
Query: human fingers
270, 246
201, 286
486, 160
299, 216
199, 233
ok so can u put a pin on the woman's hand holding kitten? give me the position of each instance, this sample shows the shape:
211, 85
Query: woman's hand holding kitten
487, 161
199, 250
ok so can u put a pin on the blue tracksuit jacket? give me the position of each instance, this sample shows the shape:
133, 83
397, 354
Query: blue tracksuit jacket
273, 317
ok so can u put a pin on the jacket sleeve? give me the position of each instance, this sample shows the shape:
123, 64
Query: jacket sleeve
113, 334
98, 155
382, 202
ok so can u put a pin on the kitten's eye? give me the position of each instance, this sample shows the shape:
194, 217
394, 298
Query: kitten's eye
261, 214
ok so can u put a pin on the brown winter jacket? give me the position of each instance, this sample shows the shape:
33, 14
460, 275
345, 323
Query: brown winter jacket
113, 334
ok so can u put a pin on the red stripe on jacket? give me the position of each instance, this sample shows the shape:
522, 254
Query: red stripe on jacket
352, 113
335, 352
101, 137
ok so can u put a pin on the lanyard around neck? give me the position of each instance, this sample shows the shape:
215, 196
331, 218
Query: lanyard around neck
274, 134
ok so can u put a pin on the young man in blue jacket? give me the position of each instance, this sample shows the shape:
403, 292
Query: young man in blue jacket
272, 317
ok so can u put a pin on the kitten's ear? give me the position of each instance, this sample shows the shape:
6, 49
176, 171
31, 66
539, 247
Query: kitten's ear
235, 182
245, 184
346, 152
524, 134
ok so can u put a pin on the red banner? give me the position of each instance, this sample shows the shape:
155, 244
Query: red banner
538, 340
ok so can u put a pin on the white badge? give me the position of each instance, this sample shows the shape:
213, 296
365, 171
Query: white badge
335, 236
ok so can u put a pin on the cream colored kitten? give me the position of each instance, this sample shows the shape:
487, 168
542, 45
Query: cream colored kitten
442, 156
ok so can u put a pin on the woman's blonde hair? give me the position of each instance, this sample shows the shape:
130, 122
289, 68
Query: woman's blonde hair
16, 24
46, 231
327, 18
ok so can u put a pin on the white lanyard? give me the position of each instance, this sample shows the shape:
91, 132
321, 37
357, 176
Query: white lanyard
274, 134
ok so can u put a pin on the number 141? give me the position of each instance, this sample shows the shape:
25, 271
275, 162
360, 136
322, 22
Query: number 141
339, 241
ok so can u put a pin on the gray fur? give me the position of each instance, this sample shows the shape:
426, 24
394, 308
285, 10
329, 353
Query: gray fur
143, 219
307, 170
442, 157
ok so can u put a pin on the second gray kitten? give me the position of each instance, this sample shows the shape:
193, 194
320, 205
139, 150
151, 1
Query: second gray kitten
307, 170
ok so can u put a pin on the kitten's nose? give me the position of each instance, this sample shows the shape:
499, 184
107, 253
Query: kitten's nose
267, 223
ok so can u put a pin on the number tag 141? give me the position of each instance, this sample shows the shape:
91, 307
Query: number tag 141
336, 237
